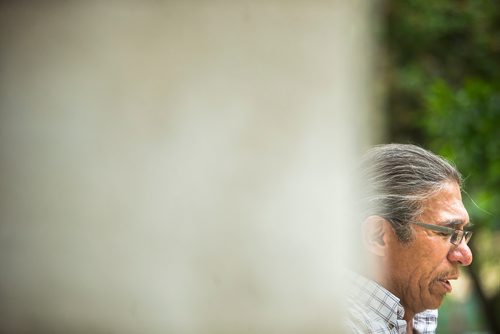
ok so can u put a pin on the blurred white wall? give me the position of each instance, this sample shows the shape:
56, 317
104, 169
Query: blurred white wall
179, 166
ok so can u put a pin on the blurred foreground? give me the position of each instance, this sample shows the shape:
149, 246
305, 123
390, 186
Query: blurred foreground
179, 167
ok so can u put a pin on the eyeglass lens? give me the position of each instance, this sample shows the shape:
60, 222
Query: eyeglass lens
458, 235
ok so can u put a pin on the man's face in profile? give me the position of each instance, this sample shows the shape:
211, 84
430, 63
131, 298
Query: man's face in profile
419, 272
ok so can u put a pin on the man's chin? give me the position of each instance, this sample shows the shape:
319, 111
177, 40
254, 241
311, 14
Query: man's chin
435, 302
432, 303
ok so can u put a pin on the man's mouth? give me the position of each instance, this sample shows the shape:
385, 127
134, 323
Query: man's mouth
445, 282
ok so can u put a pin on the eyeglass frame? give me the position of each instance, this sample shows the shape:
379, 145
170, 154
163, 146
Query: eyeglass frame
456, 235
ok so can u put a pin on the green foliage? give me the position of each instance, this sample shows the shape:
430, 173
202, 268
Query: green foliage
428, 41
464, 125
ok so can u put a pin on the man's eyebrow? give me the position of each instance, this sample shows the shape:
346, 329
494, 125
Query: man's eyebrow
457, 223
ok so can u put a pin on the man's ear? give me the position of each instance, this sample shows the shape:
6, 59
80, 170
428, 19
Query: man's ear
375, 235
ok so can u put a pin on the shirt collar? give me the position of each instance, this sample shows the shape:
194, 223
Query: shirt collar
377, 299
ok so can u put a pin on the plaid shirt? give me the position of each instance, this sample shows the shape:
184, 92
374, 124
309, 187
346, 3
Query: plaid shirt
373, 309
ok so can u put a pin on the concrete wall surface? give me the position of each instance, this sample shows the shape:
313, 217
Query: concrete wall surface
178, 166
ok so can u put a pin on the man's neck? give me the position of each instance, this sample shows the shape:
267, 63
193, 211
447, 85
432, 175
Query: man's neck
408, 317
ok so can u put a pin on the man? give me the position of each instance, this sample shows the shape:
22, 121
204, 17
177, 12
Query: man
414, 234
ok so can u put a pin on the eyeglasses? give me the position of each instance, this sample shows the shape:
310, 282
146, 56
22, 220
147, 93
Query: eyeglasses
456, 235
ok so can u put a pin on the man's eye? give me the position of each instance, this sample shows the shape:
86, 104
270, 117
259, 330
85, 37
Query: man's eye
443, 234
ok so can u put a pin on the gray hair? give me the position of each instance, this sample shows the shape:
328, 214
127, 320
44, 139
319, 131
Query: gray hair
398, 179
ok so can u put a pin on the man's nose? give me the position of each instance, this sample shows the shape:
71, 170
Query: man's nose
460, 254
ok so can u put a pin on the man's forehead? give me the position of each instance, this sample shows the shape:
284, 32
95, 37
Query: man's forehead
446, 207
